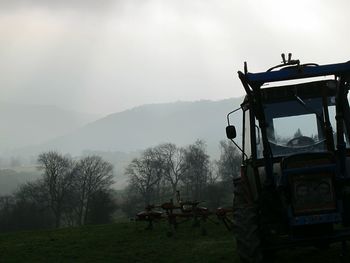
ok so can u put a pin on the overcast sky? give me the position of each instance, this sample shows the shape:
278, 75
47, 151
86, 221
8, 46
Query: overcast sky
110, 55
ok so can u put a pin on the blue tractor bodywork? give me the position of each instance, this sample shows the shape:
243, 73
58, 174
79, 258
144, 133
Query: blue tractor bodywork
298, 72
305, 178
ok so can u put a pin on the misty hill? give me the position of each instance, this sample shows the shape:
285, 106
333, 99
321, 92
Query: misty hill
11, 179
181, 123
24, 125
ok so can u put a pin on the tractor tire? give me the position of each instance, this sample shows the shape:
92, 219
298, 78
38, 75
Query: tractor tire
246, 227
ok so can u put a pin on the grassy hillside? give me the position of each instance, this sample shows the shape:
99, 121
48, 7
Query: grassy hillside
130, 242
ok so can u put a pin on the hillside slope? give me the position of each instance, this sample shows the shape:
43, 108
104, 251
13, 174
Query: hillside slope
24, 125
181, 123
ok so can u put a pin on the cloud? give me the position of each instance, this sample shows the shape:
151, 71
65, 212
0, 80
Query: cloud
105, 56
77, 5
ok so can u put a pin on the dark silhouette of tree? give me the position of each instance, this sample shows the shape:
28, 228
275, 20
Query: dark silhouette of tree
93, 175
58, 179
173, 160
131, 201
101, 208
145, 173
31, 208
229, 163
197, 172
6, 209
26, 209
69, 193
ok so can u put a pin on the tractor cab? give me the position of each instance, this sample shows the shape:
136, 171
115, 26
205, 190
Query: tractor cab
309, 116
298, 118
295, 177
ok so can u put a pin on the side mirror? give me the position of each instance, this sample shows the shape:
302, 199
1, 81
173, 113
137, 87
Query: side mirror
231, 132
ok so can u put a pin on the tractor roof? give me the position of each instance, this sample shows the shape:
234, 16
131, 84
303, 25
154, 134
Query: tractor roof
297, 72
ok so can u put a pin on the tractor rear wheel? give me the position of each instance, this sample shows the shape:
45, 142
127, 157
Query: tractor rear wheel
246, 227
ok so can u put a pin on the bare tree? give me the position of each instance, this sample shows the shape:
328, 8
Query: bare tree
31, 210
93, 175
173, 159
34, 192
57, 178
229, 163
7, 203
145, 173
101, 208
197, 169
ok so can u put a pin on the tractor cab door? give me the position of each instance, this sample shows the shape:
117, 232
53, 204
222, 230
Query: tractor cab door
249, 171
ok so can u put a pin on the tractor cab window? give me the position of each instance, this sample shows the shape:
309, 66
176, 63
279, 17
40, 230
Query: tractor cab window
258, 140
246, 133
295, 126
332, 119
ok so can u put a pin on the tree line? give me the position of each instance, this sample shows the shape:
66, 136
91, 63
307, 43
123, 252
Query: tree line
69, 192
75, 192
161, 171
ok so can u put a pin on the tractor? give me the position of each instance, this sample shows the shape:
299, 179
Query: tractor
294, 185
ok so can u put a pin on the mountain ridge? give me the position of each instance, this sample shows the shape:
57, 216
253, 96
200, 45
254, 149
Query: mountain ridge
180, 122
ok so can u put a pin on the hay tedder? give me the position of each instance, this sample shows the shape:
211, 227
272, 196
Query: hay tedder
294, 186
184, 211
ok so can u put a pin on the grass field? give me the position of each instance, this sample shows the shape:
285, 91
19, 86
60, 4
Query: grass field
130, 242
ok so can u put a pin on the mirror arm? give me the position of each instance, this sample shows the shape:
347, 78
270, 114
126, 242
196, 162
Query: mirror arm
239, 148
228, 115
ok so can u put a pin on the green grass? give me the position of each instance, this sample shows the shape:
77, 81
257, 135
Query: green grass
130, 242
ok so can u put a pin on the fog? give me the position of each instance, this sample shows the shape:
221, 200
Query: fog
114, 77
107, 56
